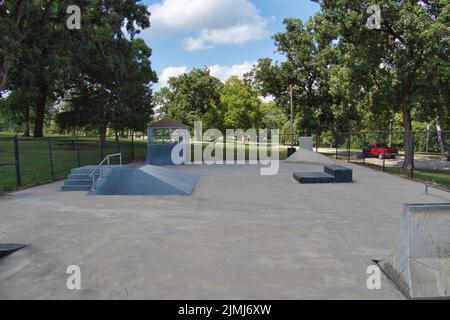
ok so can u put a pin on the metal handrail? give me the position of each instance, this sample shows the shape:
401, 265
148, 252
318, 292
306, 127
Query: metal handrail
428, 186
100, 166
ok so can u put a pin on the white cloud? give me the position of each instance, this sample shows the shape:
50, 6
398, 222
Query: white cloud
221, 72
171, 72
234, 35
225, 72
213, 22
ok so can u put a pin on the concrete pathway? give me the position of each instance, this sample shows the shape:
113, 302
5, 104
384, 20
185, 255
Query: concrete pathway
239, 236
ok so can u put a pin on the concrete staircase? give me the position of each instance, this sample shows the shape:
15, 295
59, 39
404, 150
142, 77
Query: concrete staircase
79, 179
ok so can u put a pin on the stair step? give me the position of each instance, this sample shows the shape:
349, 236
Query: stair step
73, 182
83, 170
81, 176
76, 188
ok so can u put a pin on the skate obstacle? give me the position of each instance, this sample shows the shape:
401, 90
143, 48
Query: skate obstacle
420, 262
8, 248
331, 174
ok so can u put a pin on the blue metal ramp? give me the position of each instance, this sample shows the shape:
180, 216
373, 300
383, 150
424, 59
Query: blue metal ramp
146, 180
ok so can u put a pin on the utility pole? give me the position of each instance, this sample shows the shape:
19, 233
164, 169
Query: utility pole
292, 116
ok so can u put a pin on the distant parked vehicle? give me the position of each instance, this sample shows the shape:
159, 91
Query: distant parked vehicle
380, 150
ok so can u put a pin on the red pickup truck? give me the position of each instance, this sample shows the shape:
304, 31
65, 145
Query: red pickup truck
380, 150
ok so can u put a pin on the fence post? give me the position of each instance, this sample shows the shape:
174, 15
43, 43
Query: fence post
349, 146
364, 148
50, 156
337, 145
132, 146
413, 154
78, 151
17, 161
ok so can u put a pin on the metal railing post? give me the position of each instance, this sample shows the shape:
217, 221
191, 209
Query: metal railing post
100, 167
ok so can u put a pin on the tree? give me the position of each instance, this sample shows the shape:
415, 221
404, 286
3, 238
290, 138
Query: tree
309, 53
241, 105
114, 91
37, 41
433, 95
16, 108
19, 19
409, 34
162, 99
273, 116
194, 96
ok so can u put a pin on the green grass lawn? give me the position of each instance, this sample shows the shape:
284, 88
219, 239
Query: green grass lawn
247, 149
35, 166
439, 177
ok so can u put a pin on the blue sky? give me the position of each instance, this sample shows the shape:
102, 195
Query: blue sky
225, 35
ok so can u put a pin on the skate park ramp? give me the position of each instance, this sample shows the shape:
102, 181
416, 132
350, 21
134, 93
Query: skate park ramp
8, 248
310, 157
146, 180
420, 263
160, 154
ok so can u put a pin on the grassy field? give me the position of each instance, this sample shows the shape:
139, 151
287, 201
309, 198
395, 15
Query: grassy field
439, 177
35, 165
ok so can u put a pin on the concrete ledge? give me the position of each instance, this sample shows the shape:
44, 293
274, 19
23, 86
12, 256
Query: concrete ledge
342, 174
314, 177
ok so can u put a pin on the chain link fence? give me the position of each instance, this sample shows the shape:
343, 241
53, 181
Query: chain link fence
385, 150
25, 161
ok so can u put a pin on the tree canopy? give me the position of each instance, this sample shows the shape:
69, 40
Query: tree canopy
101, 62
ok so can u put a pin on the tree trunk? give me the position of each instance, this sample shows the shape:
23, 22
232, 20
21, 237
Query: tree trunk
4, 66
102, 135
439, 134
26, 132
408, 134
41, 103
